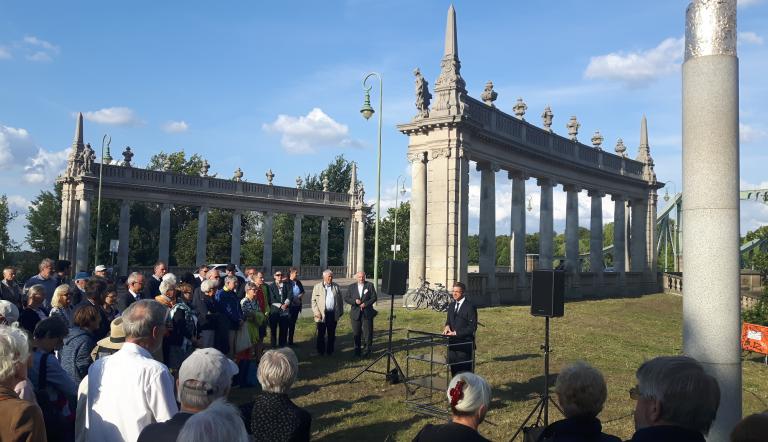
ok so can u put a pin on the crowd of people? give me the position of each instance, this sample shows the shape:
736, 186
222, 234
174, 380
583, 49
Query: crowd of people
81, 360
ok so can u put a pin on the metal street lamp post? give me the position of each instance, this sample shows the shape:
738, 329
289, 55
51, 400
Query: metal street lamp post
367, 111
397, 209
106, 140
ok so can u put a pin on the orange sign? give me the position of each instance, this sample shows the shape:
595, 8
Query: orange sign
754, 338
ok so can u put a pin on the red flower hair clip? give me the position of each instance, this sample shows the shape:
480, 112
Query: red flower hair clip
457, 393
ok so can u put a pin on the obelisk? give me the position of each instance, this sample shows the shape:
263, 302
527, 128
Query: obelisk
711, 304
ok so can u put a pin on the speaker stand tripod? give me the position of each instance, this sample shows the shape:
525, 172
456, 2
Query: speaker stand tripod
392, 375
541, 409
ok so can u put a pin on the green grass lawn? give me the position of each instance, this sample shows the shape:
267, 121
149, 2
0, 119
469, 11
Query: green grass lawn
614, 335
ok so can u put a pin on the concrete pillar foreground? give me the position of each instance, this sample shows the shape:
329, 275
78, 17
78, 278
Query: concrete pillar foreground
296, 255
488, 226
418, 222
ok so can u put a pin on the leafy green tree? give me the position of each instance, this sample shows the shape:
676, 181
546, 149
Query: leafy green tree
6, 216
756, 259
387, 230
43, 223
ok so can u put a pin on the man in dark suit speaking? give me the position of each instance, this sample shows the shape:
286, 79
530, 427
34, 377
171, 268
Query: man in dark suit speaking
361, 296
460, 327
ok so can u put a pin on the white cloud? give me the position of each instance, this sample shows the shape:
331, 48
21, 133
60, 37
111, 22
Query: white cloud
305, 134
118, 116
45, 166
5, 54
637, 69
15, 143
40, 50
748, 134
174, 127
18, 202
750, 37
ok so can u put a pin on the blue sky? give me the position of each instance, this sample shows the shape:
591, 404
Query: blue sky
263, 85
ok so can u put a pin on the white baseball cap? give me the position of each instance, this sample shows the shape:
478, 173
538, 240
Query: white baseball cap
210, 366
100, 268
9, 311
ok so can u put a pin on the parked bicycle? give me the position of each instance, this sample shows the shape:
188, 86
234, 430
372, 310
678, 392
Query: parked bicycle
425, 296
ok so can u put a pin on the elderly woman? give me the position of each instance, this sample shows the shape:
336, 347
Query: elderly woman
255, 306
183, 333
110, 303
56, 392
23, 420
34, 311
581, 392
167, 297
61, 304
76, 354
208, 313
469, 396
273, 411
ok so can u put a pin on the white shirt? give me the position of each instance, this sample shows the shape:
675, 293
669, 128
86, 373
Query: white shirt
135, 295
360, 290
128, 391
330, 301
458, 305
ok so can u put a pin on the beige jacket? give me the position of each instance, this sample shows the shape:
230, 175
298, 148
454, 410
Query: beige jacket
318, 301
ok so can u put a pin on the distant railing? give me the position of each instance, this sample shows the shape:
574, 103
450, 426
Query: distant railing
672, 283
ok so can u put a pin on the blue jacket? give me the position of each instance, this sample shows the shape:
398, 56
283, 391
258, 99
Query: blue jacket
76, 353
227, 303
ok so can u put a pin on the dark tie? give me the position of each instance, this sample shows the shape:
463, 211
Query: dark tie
457, 308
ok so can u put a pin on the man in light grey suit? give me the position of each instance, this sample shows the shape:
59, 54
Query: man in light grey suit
327, 308
361, 296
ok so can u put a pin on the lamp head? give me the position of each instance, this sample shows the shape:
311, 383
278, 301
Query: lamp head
666, 195
367, 110
402, 189
530, 206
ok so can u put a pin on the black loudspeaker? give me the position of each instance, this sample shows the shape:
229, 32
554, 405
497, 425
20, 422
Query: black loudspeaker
393, 277
547, 293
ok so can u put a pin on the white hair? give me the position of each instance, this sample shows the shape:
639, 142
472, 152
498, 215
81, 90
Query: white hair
166, 285
133, 277
141, 317
208, 285
277, 370
220, 421
14, 349
45, 263
170, 277
231, 278
475, 393
327, 272
581, 390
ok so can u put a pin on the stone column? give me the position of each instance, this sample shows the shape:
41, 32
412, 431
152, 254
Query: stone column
123, 236
234, 257
619, 241
572, 229
165, 233
201, 256
296, 255
637, 239
517, 224
267, 236
488, 226
324, 242
545, 223
418, 222
83, 234
596, 233
360, 254
711, 310
68, 222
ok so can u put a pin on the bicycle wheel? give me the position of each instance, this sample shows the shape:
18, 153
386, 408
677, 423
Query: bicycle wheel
410, 300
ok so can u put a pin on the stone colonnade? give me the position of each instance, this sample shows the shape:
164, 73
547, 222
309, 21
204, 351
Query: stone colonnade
130, 185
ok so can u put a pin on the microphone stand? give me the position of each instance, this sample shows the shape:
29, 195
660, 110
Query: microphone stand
392, 375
